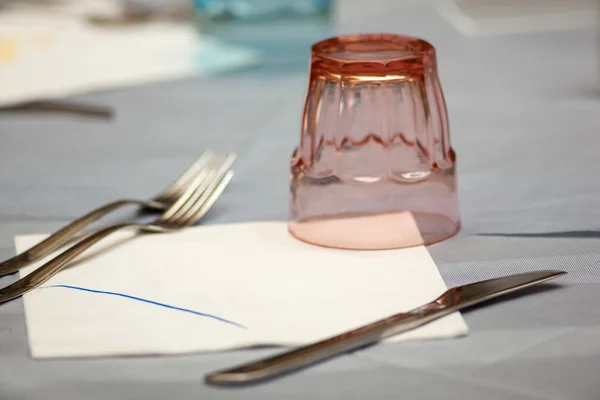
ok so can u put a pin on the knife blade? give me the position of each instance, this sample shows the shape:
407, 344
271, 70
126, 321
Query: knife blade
450, 301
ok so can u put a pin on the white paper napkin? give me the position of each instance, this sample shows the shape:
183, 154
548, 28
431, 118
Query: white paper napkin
221, 287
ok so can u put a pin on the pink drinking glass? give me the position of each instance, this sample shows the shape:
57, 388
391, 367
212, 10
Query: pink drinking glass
374, 168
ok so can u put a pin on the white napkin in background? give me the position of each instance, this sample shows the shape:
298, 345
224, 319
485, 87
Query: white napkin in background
49, 52
221, 287
506, 17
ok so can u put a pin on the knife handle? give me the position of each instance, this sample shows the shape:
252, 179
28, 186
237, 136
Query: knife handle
306, 355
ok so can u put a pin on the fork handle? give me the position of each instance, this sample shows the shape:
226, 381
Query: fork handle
65, 234
52, 267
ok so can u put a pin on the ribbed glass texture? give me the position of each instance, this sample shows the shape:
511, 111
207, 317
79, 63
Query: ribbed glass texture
374, 168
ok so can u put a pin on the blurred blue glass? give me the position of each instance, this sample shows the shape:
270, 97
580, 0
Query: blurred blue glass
254, 9
281, 30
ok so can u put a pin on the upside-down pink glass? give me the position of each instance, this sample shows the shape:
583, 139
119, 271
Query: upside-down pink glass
374, 168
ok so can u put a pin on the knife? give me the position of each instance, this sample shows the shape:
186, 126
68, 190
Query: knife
452, 300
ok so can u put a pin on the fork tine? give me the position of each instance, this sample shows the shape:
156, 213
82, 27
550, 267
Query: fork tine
190, 191
200, 186
174, 190
215, 171
211, 200
216, 186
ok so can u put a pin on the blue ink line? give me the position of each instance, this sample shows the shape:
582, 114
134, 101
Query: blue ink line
126, 296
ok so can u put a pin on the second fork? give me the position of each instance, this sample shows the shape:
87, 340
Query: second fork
159, 202
189, 208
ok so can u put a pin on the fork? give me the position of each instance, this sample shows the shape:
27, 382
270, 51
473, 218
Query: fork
161, 201
189, 208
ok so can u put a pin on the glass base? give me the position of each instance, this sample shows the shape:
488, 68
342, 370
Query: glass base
378, 231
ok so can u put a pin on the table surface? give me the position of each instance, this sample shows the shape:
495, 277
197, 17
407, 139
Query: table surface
524, 115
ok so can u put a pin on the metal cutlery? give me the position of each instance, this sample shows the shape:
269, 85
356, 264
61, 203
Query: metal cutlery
450, 301
63, 107
161, 201
192, 205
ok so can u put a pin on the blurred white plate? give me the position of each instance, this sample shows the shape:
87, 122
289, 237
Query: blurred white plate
46, 54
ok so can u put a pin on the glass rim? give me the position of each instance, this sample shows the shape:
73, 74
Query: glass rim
414, 46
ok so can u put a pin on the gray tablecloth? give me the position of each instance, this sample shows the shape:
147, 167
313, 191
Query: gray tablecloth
525, 117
